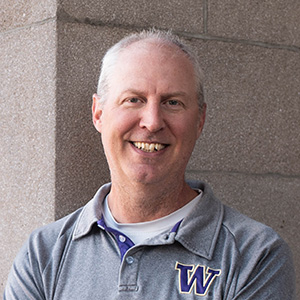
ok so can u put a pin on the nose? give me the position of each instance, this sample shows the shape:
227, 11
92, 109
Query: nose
152, 117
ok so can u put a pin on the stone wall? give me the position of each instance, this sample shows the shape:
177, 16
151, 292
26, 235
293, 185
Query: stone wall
51, 158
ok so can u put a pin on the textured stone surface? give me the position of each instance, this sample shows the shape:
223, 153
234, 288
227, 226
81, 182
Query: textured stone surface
272, 200
81, 166
27, 148
18, 13
171, 14
253, 114
272, 21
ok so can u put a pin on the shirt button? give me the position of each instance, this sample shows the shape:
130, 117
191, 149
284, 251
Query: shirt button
122, 238
129, 260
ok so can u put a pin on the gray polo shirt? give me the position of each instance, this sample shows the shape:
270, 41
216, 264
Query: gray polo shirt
213, 253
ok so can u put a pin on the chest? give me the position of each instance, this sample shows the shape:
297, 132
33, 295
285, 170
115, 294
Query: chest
93, 270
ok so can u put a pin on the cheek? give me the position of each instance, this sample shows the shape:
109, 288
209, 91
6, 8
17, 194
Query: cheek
117, 124
125, 122
186, 129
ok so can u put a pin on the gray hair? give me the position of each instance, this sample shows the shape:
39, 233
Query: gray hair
161, 37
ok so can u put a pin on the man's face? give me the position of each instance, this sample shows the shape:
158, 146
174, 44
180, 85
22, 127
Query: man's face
150, 120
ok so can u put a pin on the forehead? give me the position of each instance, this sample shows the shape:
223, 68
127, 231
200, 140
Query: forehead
152, 50
153, 63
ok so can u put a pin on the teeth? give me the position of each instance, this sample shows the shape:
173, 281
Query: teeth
152, 147
159, 147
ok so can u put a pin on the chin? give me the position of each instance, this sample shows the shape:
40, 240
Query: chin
144, 177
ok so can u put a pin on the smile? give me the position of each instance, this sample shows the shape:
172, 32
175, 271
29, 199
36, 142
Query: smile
149, 147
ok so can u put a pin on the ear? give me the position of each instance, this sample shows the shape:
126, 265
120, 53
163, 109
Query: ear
97, 112
201, 120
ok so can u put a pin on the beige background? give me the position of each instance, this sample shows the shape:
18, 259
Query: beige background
51, 161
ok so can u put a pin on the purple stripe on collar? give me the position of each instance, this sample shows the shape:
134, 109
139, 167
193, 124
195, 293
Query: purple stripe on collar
123, 241
176, 226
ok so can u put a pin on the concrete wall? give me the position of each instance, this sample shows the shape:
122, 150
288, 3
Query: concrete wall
51, 158
27, 122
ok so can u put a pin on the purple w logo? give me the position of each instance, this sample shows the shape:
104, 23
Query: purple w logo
194, 277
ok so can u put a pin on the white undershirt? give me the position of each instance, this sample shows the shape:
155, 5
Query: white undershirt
139, 232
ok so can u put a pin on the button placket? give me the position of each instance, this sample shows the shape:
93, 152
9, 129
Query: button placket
128, 275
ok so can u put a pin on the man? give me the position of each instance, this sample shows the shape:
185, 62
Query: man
149, 234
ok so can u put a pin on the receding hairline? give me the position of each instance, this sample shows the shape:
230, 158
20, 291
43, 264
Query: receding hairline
153, 47
160, 39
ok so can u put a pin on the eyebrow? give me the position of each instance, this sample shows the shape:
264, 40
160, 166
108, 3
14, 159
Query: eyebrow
171, 95
163, 96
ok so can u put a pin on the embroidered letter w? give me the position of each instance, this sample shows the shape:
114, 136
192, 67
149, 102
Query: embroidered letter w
194, 277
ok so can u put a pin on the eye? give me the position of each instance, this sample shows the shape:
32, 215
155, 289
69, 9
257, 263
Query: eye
173, 102
174, 105
133, 100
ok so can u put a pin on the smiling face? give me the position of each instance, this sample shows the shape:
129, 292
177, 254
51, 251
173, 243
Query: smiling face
150, 120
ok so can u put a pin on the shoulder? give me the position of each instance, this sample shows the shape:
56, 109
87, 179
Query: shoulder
249, 233
73, 226
57, 229
263, 259
239, 228
46, 239
42, 251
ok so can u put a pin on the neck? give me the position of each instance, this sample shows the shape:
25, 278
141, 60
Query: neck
135, 202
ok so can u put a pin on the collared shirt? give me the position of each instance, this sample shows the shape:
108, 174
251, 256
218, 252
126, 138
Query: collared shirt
138, 232
214, 253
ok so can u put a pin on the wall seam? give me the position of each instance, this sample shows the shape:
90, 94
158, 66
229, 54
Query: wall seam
205, 16
65, 17
277, 175
38, 23
239, 41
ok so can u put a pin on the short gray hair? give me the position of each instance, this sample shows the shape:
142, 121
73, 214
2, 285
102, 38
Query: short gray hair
161, 37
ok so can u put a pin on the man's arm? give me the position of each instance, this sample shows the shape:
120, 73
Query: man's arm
24, 280
273, 277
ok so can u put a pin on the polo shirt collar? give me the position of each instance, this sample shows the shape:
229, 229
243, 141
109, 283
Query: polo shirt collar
91, 213
199, 231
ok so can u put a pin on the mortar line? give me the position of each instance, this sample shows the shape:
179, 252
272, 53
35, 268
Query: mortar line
239, 41
62, 15
15, 29
191, 171
181, 33
205, 16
